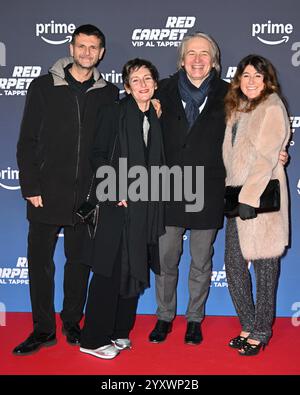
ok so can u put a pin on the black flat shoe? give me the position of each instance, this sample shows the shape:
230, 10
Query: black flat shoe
248, 350
160, 332
237, 342
34, 342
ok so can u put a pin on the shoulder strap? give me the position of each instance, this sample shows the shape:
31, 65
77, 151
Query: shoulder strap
110, 162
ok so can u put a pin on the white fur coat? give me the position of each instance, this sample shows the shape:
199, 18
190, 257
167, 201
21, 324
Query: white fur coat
252, 161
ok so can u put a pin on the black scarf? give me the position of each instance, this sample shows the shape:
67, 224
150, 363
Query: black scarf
144, 220
193, 96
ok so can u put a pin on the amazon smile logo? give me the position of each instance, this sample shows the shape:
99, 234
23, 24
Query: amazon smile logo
272, 33
8, 175
55, 33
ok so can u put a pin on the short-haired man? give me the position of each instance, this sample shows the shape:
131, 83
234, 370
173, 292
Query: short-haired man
193, 130
53, 156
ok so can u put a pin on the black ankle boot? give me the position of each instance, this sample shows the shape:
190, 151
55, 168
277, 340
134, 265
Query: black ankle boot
160, 332
193, 334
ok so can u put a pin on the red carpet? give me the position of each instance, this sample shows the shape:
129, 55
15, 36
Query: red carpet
173, 357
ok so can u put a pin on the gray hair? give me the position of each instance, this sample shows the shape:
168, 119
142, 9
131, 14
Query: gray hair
215, 51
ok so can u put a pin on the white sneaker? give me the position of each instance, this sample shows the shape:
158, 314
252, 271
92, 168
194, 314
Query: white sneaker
105, 352
122, 344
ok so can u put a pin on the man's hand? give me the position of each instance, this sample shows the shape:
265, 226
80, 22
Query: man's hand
36, 201
122, 203
157, 106
283, 157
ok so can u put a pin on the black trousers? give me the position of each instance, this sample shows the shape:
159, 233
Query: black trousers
42, 240
107, 316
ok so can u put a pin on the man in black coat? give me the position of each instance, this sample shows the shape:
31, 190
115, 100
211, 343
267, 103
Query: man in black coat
57, 131
193, 124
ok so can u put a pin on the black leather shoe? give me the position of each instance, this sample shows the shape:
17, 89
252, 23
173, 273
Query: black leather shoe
34, 342
193, 333
160, 332
72, 333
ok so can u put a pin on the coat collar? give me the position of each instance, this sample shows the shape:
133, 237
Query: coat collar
177, 102
58, 73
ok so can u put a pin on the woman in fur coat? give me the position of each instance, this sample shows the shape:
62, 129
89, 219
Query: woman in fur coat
257, 130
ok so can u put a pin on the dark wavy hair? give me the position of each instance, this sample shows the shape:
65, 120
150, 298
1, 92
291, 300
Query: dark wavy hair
235, 100
136, 64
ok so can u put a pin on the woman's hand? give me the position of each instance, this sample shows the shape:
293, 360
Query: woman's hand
246, 211
157, 106
122, 203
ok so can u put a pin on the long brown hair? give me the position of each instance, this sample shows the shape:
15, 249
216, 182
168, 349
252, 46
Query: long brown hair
235, 100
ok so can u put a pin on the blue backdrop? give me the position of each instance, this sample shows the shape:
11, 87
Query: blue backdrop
34, 34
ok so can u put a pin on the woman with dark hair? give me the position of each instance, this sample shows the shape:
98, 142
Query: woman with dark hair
126, 240
257, 130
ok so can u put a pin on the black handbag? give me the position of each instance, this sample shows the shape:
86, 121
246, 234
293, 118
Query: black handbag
89, 212
269, 200
86, 212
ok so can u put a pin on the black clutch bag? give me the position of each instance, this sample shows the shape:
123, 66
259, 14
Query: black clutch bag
269, 200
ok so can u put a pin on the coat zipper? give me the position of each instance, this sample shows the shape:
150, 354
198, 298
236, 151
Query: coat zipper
78, 154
